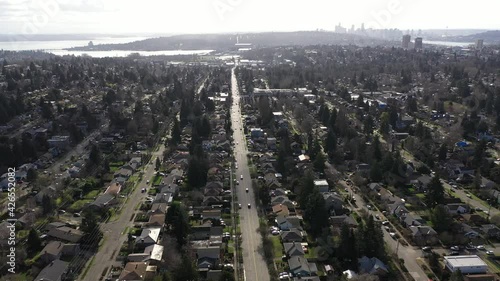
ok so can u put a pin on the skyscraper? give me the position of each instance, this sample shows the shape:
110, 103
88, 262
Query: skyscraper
479, 44
406, 41
418, 43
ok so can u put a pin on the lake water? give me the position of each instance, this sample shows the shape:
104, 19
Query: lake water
57, 47
449, 44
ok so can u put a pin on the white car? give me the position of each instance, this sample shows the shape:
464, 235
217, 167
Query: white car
239, 205
241, 177
246, 189
480, 247
490, 253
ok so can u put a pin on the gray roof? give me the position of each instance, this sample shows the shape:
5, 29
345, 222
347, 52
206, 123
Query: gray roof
53, 271
66, 234
293, 249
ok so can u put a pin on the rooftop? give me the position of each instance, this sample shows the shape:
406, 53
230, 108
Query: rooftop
461, 261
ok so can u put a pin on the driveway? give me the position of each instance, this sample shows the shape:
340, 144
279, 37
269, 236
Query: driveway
255, 268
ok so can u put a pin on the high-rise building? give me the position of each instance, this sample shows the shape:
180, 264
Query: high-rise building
406, 41
419, 43
479, 44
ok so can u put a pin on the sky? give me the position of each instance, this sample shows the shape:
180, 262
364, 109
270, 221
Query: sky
213, 16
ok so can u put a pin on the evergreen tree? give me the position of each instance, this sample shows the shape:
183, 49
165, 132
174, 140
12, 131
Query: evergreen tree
435, 193
34, 243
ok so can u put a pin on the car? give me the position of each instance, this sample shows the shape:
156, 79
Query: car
454, 253
469, 196
455, 248
385, 223
241, 177
143, 190
480, 247
246, 189
77, 215
147, 181
377, 217
237, 183
239, 205
369, 207
490, 253
393, 235
470, 248
249, 206
275, 232
426, 249
387, 228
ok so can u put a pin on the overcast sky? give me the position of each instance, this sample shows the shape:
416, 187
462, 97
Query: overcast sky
210, 16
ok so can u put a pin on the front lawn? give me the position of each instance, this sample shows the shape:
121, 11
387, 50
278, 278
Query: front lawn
78, 205
277, 247
92, 194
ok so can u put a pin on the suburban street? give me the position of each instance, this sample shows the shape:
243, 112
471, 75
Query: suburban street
113, 231
460, 193
408, 253
255, 268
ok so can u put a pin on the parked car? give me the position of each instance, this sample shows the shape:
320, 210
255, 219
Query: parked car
241, 177
385, 223
480, 247
249, 206
470, 248
455, 248
426, 249
490, 253
239, 205
455, 253
246, 189
393, 235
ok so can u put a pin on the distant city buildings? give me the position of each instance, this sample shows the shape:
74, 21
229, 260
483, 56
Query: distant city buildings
479, 44
419, 43
340, 29
406, 41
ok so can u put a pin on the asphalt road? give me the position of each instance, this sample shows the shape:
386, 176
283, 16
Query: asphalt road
408, 253
460, 193
113, 237
255, 268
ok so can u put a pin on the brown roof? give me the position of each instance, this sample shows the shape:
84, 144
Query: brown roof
281, 209
134, 271
156, 219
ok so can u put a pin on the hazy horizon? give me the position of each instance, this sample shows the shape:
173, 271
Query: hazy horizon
154, 17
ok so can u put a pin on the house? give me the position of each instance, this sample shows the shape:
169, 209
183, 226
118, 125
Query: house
288, 223
422, 182
66, 234
293, 249
55, 271
375, 186
457, 208
60, 142
103, 201
490, 231
299, 266
149, 236
49, 191
271, 143
164, 198
156, 220
212, 214
200, 232
56, 249
410, 219
122, 172
469, 264
134, 271
293, 235
208, 256
322, 185
281, 210
282, 200
170, 188
159, 207
338, 221
372, 266
333, 201
152, 254
424, 235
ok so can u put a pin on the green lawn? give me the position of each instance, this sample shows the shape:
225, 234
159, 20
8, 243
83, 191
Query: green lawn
92, 194
78, 205
311, 253
277, 247
156, 180
420, 196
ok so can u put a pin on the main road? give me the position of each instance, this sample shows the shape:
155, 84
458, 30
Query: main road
255, 268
